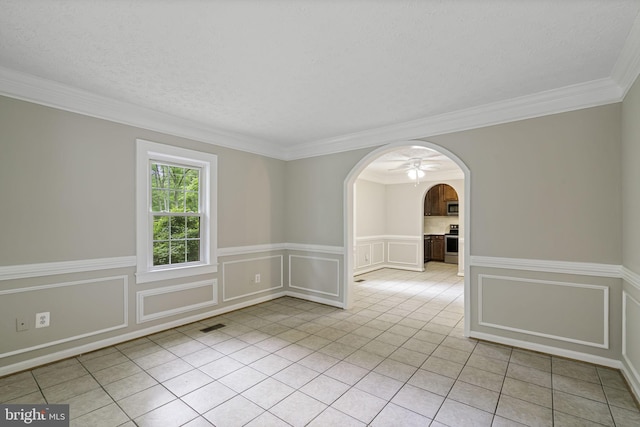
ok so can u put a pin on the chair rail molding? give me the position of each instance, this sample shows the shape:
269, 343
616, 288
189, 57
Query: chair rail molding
23, 271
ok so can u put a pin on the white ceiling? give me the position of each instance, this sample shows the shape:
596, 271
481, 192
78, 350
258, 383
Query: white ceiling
294, 78
392, 167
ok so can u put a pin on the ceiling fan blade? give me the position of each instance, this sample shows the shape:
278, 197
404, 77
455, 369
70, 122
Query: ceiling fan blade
430, 166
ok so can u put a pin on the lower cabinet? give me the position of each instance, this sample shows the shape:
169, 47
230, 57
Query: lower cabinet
427, 248
434, 247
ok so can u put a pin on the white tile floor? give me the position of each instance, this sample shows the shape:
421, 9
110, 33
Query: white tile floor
398, 358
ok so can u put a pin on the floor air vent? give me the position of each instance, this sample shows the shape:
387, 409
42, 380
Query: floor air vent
212, 328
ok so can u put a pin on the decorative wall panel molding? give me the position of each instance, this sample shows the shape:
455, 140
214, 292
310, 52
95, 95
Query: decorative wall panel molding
249, 272
77, 310
24, 271
630, 340
377, 253
561, 311
315, 274
403, 253
363, 256
176, 306
370, 254
96, 345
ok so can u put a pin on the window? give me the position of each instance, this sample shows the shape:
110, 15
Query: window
176, 212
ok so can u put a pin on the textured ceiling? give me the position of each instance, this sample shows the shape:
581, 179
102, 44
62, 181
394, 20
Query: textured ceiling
289, 73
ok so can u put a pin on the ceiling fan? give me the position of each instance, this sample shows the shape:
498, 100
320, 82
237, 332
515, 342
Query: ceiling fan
416, 167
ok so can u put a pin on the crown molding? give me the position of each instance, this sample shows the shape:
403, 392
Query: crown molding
627, 67
568, 98
52, 94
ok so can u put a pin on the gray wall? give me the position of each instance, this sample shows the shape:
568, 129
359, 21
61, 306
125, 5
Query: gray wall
545, 208
370, 209
314, 189
67, 182
545, 188
70, 181
631, 233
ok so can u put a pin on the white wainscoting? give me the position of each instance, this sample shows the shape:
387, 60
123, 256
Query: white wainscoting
542, 308
250, 271
377, 253
370, 254
393, 251
70, 325
96, 345
11, 272
321, 275
142, 296
631, 340
631, 278
405, 253
548, 266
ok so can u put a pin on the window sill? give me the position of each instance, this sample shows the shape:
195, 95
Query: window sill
175, 273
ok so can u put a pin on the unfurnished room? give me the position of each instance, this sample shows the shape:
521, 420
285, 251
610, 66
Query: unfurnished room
320, 213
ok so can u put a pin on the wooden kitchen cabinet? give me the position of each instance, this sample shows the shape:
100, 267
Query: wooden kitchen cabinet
434, 248
448, 193
427, 248
435, 203
437, 248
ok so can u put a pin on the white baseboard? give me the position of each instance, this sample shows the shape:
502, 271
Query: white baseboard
555, 351
369, 269
314, 298
381, 266
632, 379
97, 345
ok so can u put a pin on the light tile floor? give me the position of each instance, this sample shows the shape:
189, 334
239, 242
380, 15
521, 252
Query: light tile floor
398, 358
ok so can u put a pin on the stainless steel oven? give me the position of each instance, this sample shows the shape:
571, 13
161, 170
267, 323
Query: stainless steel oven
451, 245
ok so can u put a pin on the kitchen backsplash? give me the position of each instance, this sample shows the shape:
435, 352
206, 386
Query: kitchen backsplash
438, 224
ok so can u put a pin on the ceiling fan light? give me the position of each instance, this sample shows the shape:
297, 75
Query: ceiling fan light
415, 173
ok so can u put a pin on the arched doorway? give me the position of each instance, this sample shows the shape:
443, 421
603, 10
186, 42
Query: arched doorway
349, 216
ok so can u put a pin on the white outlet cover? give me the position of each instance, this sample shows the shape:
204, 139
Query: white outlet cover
42, 319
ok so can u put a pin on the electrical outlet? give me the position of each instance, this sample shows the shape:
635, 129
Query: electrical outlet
22, 324
43, 319
257, 278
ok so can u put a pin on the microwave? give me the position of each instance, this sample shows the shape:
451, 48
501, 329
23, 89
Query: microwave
452, 208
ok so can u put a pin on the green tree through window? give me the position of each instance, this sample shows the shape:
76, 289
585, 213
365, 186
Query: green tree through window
176, 211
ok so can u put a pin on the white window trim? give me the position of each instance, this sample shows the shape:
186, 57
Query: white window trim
146, 152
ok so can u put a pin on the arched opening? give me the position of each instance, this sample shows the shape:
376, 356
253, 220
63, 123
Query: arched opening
441, 227
349, 217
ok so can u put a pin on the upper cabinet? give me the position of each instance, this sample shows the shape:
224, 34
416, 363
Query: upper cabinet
435, 203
